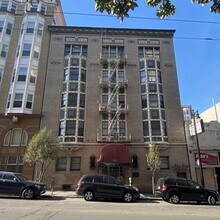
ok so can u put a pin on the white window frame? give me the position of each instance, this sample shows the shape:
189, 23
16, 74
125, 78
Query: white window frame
18, 98
4, 50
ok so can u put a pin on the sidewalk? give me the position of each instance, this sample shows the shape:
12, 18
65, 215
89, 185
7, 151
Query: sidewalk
72, 194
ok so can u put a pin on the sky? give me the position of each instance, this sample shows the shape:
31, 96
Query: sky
196, 42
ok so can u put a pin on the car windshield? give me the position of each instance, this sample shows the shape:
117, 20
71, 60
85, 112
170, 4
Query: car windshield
20, 177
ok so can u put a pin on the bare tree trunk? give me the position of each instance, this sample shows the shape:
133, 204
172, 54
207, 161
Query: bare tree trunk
153, 182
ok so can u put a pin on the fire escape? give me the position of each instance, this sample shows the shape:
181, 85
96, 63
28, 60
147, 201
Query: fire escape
113, 81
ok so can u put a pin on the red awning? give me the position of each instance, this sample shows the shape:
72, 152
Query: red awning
113, 154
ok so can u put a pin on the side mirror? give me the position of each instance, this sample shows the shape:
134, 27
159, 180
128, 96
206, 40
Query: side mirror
16, 180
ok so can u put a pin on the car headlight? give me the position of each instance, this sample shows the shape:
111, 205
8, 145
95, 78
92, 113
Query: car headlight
135, 188
37, 186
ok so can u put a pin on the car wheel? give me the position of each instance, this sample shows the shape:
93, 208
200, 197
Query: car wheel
89, 195
28, 193
211, 200
128, 197
174, 198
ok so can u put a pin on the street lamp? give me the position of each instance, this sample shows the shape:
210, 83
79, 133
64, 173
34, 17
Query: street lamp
196, 116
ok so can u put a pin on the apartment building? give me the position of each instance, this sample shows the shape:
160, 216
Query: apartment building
24, 40
108, 94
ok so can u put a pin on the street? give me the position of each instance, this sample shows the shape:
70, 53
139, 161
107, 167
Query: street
60, 207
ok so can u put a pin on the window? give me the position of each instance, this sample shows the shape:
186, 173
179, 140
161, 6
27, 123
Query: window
73, 86
164, 163
20, 163
36, 51
76, 50
82, 101
29, 101
81, 114
74, 74
121, 101
43, 9
154, 114
1, 26
153, 101
4, 5
152, 87
104, 75
67, 50
22, 74
151, 64
70, 127
140, 52
26, 50
141, 63
83, 63
1, 74
151, 75
83, 75
164, 128
122, 128
180, 182
34, 6
143, 76
144, 101
40, 29
9, 28
71, 113
104, 128
74, 62
121, 76
4, 50
149, 51
92, 162
84, 51
155, 128
80, 128
61, 164
75, 163
143, 88
62, 128
18, 100
145, 114
146, 128
161, 101
72, 99
2, 163
13, 8
16, 137
64, 100
11, 167
30, 27
9, 101
33, 75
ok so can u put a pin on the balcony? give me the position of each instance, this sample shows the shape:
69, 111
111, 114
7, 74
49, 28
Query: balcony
116, 138
103, 108
113, 58
111, 83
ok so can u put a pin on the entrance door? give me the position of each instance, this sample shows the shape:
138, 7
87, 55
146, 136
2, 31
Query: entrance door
116, 172
217, 171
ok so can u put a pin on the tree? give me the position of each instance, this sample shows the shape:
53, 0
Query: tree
153, 162
42, 149
164, 8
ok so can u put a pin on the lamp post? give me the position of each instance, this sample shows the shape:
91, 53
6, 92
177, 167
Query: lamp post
196, 116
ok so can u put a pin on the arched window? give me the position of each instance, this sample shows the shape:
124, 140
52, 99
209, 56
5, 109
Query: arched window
16, 137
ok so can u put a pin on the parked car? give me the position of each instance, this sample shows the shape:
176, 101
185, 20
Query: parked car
179, 189
18, 185
93, 186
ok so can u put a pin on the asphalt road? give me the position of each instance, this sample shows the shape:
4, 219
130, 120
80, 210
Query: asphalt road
62, 208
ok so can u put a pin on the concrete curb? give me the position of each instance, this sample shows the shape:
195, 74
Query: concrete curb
72, 194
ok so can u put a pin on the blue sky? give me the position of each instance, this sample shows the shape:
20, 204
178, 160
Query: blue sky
197, 59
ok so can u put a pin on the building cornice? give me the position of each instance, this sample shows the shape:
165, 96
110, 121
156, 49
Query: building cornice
112, 31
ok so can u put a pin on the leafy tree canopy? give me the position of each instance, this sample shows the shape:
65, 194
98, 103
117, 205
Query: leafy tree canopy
164, 8
43, 148
153, 159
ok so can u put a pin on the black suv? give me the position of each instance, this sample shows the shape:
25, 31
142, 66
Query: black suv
18, 185
178, 189
93, 186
